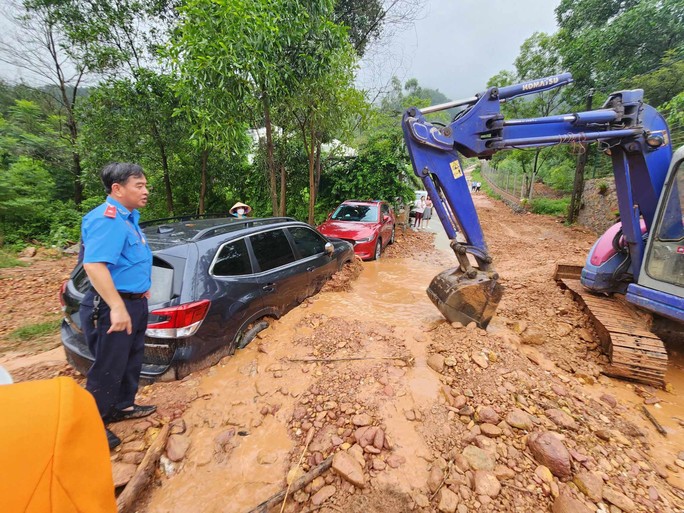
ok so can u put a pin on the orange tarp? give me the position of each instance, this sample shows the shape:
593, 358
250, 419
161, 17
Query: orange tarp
54, 456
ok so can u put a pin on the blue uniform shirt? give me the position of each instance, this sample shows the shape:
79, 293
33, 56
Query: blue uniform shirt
110, 234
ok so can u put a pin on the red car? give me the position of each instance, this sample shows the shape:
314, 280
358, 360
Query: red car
367, 225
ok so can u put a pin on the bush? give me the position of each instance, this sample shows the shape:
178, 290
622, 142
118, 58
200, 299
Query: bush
552, 207
602, 188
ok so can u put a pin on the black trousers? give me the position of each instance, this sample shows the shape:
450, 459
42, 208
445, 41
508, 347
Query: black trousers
115, 373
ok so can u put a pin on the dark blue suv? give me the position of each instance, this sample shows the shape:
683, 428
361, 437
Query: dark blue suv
214, 284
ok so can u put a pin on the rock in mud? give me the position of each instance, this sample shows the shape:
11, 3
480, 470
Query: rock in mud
548, 450
565, 503
132, 457
532, 337
395, 461
480, 359
177, 446
265, 457
618, 499
436, 362
561, 419
478, 459
323, 495
488, 415
590, 484
448, 501
362, 419
609, 400
491, 430
435, 478
348, 468
519, 419
122, 473
486, 483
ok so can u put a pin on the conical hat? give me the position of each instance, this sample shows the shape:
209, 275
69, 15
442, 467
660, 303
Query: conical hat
234, 208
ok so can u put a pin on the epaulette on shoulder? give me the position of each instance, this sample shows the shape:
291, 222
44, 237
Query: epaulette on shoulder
110, 211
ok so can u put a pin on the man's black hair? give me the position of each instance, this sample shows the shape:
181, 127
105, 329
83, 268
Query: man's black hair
119, 172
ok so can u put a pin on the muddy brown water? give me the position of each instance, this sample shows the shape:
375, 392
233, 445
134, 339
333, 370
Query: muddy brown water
390, 292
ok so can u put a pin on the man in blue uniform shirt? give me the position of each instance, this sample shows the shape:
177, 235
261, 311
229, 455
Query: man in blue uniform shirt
113, 313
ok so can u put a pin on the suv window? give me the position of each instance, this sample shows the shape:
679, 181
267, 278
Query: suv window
307, 241
272, 249
233, 259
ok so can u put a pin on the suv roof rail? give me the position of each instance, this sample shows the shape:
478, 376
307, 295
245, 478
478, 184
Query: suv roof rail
240, 223
364, 201
182, 218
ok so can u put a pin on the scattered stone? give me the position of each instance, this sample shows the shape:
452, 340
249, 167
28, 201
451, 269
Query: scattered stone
491, 430
362, 419
410, 415
122, 473
177, 446
561, 419
28, 252
323, 495
478, 459
565, 503
480, 359
559, 390
585, 335
543, 473
590, 484
421, 500
436, 362
265, 457
132, 457
609, 400
618, 499
548, 450
519, 419
532, 337
488, 415
348, 468
486, 483
435, 478
395, 461
448, 501
378, 464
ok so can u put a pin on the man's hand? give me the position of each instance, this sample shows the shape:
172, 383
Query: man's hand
120, 320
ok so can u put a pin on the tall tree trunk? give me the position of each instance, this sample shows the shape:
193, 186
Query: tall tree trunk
203, 181
283, 190
578, 182
318, 165
270, 161
78, 183
165, 166
312, 177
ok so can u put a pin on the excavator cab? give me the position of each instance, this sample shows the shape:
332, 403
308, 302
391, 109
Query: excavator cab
660, 286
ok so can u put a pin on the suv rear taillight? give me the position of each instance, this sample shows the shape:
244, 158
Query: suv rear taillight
62, 291
178, 321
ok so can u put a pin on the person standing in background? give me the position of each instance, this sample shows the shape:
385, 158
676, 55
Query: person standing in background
427, 213
419, 209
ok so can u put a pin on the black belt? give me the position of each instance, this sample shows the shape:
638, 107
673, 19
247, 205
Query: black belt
131, 295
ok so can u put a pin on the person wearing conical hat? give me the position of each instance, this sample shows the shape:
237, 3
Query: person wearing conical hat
240, 210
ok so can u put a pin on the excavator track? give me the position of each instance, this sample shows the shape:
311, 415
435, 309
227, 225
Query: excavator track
634, 352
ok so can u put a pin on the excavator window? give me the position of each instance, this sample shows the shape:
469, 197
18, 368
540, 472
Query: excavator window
666, 258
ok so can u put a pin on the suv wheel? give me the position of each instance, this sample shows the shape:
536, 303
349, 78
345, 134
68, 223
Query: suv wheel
378, 249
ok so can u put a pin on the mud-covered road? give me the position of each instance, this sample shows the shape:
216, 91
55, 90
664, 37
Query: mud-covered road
417, 414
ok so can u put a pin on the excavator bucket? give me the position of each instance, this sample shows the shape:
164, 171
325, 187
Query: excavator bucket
463, 299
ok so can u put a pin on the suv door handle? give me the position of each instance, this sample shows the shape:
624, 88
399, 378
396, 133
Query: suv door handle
269, 287
309, 269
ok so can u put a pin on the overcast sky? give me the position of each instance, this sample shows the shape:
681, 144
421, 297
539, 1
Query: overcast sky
458, 44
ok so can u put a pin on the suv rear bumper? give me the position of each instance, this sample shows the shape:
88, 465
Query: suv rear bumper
79, 357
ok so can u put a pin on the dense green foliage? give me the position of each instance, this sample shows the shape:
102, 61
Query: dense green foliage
548, 206
180, 86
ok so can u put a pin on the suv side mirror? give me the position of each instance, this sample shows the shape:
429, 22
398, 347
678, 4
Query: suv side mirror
329, 248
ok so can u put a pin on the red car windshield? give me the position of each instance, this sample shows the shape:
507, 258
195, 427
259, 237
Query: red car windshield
358, 213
